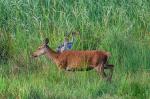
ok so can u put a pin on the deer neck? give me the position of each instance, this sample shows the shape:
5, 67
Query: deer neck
51, 54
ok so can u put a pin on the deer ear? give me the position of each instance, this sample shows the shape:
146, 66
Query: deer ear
46, 41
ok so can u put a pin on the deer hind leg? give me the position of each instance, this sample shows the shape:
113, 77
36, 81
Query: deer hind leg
100, 70
111, 67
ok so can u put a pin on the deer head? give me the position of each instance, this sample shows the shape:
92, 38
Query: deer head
42, 49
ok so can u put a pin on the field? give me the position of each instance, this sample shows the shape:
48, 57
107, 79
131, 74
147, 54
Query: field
121, 27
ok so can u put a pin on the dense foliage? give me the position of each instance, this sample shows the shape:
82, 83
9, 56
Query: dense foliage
121, 27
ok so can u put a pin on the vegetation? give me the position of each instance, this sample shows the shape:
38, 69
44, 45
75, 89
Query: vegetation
121, 27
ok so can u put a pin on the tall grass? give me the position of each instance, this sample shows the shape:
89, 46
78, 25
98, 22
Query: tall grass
120, 27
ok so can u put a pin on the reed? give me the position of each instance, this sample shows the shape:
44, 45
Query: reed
119, 27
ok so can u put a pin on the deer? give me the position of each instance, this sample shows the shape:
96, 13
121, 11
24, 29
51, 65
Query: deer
76, 60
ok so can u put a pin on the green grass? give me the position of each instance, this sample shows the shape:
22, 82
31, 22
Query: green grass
120, 27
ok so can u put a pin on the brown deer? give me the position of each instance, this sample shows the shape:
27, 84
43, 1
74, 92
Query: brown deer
77, 60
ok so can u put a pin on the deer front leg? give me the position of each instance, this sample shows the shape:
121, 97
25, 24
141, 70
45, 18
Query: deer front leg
61, 65
61, 69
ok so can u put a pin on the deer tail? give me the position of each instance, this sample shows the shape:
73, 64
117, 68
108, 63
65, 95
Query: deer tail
108, 54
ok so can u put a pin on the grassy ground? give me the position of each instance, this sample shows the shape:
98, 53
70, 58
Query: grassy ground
120, 27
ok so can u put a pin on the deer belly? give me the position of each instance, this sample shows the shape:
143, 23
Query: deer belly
69, 68
78, 65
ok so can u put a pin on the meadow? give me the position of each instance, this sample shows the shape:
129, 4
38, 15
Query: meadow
121, 27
